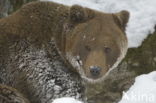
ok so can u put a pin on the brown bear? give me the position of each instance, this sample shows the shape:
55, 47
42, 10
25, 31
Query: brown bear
92, 42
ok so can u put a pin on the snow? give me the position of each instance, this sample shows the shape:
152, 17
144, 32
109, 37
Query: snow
142, 20
143, 90
66, 100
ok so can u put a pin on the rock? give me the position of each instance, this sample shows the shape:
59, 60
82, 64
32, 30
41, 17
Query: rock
9, 6
4, 8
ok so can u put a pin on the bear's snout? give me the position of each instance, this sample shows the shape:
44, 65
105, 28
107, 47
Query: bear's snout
95, 71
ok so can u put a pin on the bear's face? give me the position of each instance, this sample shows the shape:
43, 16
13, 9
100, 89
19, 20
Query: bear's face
96, 45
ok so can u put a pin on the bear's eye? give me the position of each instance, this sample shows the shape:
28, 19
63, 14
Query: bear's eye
107, 50
87, 48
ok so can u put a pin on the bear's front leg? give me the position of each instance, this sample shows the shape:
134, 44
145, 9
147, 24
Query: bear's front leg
11, 95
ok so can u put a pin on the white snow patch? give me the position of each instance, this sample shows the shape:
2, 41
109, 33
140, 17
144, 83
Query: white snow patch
142, 18
66, 100
143, 90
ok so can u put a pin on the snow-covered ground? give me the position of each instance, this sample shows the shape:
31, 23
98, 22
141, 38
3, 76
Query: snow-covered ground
66, 100
143, 91
142, 19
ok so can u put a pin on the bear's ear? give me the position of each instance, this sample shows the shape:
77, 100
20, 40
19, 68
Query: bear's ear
122, 18
79, 14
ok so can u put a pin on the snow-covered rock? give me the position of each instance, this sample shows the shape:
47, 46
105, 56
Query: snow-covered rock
143, 90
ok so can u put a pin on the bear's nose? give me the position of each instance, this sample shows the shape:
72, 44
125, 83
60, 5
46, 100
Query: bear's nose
95, 71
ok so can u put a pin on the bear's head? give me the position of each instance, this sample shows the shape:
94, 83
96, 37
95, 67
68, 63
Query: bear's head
96, 42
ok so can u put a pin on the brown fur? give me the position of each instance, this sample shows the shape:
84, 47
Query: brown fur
11, 95
101, 41
97, 38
